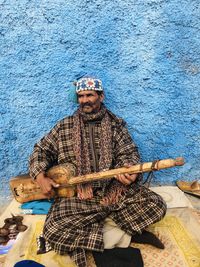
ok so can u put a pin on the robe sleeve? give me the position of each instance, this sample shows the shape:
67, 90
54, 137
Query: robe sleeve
125, 150
45, 153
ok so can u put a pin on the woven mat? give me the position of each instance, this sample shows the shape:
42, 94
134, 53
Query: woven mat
182, 248
179, 231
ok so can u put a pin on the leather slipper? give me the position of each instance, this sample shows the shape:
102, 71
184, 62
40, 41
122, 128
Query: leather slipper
192, 188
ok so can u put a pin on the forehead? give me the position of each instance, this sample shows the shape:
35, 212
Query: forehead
87, 92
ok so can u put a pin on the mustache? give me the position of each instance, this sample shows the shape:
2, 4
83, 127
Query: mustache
86, 104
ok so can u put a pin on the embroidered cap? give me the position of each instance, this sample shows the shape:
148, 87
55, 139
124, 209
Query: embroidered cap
84, 84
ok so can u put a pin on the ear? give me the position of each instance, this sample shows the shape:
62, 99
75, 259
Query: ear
102, 97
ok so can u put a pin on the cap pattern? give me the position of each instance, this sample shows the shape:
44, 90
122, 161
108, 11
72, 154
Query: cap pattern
89, 84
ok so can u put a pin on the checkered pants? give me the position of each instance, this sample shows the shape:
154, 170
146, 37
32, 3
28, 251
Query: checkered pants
74, 226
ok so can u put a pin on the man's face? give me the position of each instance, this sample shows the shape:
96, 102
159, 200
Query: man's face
90, 101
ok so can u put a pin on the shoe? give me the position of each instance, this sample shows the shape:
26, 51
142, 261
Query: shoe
147, 238
192, 188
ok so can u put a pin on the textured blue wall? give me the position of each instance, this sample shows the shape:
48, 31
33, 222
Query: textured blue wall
146, 53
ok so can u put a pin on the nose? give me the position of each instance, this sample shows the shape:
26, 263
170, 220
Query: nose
84, 99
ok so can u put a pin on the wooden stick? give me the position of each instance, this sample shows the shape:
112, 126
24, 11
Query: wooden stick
138, 168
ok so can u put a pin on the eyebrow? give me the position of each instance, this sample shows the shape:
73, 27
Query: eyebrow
88, 94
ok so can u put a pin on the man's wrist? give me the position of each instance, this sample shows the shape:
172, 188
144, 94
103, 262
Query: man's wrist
41, 175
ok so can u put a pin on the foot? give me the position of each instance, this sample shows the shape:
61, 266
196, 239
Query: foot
147, 238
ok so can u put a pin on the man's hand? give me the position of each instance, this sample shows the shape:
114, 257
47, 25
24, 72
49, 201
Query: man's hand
46, 184
126, 178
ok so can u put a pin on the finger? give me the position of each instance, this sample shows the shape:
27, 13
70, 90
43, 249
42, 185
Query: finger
79, 195
116, 177
54, 184
124, 180
133, 177
104, 202
48, 190
47, 187
44, 188
91, 193
121, 178
128, 176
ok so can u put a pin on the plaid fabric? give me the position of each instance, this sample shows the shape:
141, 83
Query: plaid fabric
57, 146
73, 225
43, 245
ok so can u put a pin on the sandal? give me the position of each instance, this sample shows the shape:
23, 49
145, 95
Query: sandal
192, 188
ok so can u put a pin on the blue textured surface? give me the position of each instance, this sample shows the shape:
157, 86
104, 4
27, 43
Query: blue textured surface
146, 53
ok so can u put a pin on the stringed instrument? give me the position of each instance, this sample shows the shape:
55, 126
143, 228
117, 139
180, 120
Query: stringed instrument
26, 189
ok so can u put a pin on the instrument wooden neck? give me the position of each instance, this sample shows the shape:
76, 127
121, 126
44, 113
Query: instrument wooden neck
138, 168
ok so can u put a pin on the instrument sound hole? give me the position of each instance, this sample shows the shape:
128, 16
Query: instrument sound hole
16, 193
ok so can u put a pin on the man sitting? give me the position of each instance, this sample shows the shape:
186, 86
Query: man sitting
94, 139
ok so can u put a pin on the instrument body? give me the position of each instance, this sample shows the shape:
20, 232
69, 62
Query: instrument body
26, 189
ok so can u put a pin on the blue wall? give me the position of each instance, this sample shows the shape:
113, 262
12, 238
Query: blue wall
146, 53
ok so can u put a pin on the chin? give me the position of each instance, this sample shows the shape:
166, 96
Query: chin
87, 110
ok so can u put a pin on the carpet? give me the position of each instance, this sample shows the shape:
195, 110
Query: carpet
182, 248
177, 231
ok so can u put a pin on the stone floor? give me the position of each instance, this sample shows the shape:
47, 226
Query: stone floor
4, 202
194, 200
